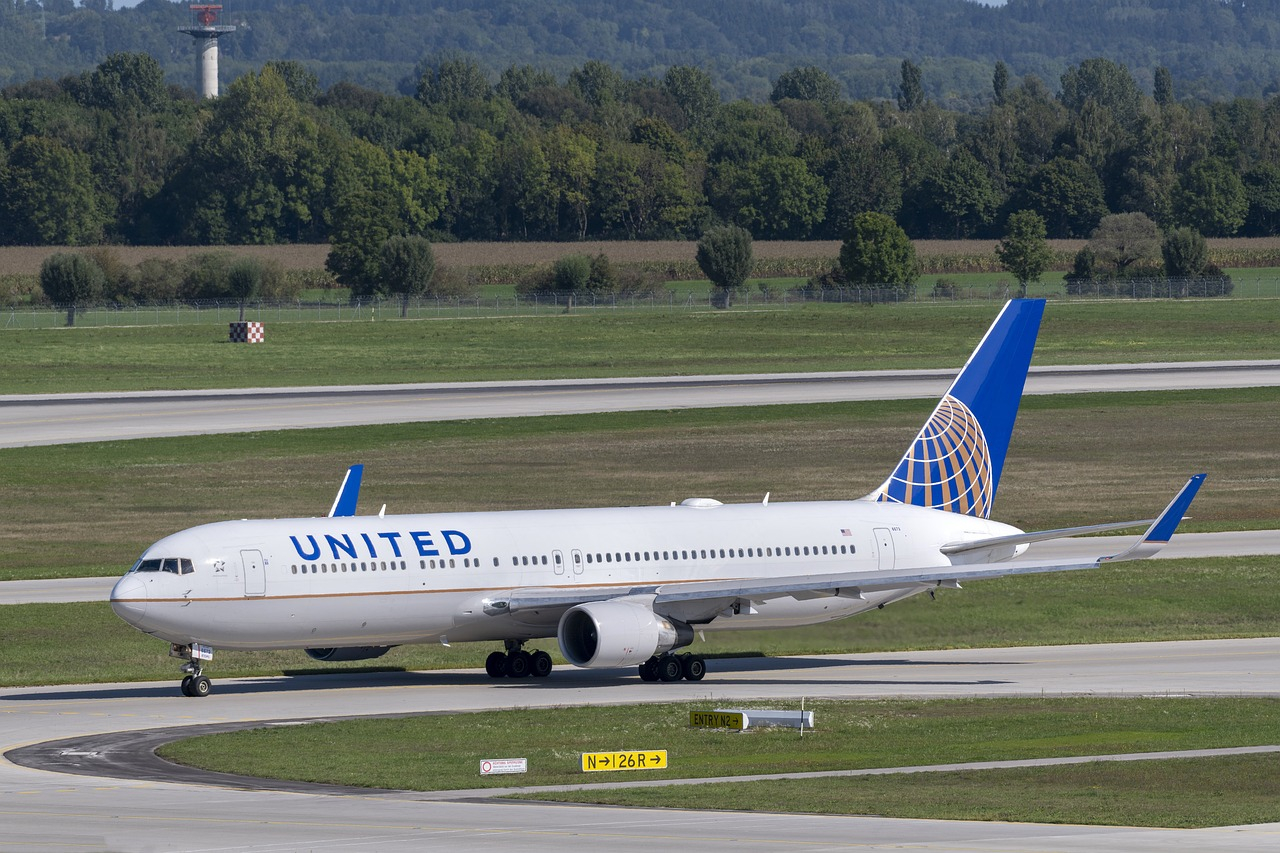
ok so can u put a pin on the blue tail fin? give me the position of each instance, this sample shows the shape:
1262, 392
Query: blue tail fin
955, 462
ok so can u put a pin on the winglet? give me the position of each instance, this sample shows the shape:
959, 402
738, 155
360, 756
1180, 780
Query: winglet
345, 502
1161, 530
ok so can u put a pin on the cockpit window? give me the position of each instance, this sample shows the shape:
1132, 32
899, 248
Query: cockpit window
172, 565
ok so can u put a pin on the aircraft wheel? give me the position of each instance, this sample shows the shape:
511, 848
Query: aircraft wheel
669, 668
496, 665
186, 685
693, 667
199, 687
519, 664
649, 670
540, 664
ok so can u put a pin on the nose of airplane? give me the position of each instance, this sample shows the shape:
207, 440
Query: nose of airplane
129, 599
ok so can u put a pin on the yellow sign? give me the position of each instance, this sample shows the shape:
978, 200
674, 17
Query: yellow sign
716, 719
651, 759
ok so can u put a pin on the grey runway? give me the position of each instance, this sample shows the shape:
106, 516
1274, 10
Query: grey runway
61, 812
28, 420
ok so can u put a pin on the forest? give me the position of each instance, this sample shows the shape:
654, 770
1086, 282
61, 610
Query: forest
118, 154
1214, 48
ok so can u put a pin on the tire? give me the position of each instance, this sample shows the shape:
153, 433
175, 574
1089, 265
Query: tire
200, 686
669, 668
649, 670
519, 664
541, 664
693, 667
496, 665
186, 685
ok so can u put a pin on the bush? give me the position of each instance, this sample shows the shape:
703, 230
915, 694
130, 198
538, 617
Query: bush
72, 280
449, 283
571, 273
946, 288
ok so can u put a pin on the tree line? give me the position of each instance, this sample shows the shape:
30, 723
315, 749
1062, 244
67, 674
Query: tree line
1217, 48
117, 154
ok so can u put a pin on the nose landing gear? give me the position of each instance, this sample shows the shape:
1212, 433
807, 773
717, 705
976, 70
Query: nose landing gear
195, 683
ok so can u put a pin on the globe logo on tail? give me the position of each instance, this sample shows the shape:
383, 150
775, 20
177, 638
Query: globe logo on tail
948, 467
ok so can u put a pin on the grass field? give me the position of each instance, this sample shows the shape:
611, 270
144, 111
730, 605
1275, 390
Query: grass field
443, 752
809, 338
89, 509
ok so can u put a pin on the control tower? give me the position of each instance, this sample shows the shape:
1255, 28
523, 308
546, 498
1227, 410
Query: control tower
206, 30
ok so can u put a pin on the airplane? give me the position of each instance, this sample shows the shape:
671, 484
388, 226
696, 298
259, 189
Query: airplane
615, 587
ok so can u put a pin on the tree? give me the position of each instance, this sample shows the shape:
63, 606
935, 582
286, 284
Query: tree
806, 84
1107, 84
244, 280
1211, 198
963, 197
1185, 253
1163, 87
47, 195
1000, 82
407, 264
1124, 240
692, 90
377, 196
724, 256
71, 280
910, 91
452, 82
877, 252
1068, 194
1024, 251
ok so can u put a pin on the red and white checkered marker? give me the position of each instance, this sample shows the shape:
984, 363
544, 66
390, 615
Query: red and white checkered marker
246, 333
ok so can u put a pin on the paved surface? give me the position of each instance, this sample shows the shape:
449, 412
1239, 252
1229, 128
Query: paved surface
67, 418
54, 811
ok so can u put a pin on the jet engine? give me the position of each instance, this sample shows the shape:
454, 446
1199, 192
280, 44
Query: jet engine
617, 633
352, 653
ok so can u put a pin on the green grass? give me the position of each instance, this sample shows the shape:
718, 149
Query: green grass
1184, 793
90, 509
1128, 602
443, 752
602, 343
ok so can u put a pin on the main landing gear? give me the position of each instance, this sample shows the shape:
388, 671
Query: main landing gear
515, 662
195, 683
673, 668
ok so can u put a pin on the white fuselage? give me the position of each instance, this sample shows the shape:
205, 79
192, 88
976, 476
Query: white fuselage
375, 581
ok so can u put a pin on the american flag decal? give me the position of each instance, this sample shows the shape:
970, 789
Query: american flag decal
844, 531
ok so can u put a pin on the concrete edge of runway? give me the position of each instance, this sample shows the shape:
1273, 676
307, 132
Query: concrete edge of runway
625, 381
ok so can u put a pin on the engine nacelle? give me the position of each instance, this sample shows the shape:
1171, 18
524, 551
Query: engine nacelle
617, 633
352, 653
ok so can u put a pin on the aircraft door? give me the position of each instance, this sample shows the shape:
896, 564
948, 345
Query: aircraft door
578, 567
885, 552
255, 576
557, 561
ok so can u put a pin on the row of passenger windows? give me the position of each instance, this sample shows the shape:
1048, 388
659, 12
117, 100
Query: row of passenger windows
696, 554
541, 559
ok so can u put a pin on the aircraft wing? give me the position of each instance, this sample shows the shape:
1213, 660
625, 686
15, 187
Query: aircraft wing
853, 584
